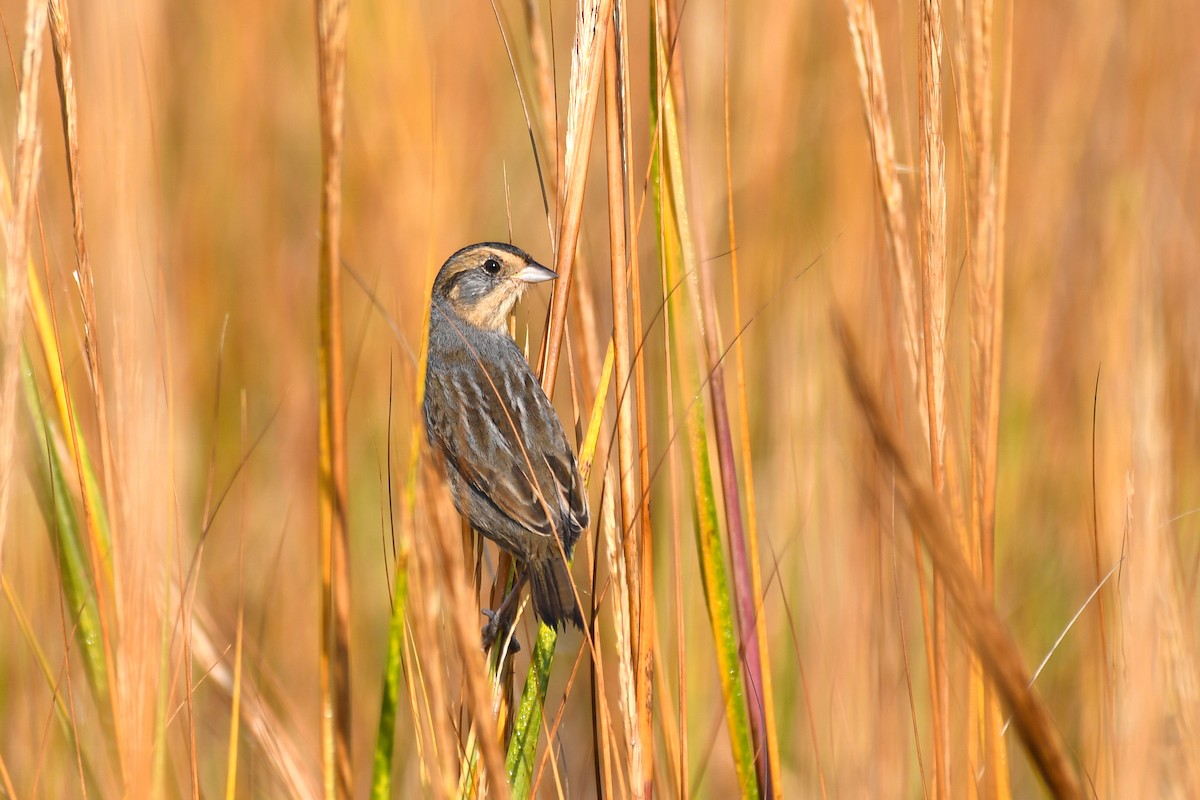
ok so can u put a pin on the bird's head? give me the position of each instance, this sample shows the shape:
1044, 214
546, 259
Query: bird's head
481, 283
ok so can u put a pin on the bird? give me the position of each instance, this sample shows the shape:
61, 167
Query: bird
509, 467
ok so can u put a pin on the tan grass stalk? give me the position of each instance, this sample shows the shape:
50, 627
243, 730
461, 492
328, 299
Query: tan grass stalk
6, 780
28, 157
584, 326
670, 727
64, 707
676, 527
1158, 677
864, 36
587, 62
975, 613
986, 327
60, 34
610, 534
638, 573
336, 753
633, 226
996, 749
622, 621
409, 563
270, 733
430, 580
235, 718
932, 249
463, 632
635, 499
603, 733
187, 576
547, 105
424, 754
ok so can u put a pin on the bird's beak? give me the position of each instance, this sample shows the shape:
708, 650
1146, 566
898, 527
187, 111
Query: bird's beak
536, 273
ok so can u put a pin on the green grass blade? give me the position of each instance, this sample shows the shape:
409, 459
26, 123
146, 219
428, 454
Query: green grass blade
671, 218
717, 592
95, 511
55, 502
385, 741
527, 724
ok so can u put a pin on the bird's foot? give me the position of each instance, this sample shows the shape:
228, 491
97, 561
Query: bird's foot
494, 627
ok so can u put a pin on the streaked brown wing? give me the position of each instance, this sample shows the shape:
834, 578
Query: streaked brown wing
503, 436
571, 491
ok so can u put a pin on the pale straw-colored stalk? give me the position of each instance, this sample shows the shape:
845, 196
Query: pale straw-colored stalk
333, 536
932, 249
974, 612
28, 159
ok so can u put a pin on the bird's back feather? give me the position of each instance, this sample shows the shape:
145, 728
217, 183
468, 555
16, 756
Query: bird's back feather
497, 429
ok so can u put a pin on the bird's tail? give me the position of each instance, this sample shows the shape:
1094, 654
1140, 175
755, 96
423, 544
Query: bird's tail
553, 597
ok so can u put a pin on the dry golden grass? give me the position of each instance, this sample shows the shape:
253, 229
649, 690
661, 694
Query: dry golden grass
824, 558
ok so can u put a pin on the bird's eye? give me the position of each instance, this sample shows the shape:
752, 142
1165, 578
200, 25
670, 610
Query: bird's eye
492, 266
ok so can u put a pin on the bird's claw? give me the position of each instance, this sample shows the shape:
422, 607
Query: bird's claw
492, 630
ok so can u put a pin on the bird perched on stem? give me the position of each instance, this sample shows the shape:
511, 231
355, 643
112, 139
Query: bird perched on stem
510, 469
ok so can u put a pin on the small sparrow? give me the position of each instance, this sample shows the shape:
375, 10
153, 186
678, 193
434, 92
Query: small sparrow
511, 472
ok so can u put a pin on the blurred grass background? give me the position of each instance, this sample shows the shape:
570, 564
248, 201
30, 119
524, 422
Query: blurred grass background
200, 158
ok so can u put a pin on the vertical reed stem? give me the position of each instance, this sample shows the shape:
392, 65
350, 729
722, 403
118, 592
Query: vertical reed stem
933, 280
336, 756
